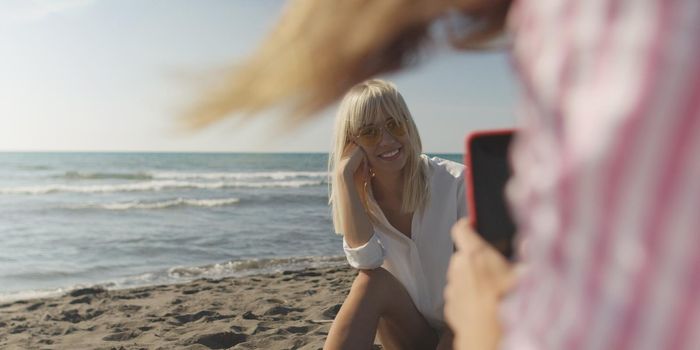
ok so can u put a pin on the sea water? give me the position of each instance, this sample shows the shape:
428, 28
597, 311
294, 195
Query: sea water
122, 220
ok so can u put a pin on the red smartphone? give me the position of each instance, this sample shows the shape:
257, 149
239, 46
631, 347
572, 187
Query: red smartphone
487, 171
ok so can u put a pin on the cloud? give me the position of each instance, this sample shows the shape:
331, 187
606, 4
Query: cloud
13, 11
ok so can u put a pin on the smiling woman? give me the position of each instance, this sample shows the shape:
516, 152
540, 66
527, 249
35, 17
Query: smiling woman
393, 233
364, 109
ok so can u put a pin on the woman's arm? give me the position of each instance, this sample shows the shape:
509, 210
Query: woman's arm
351, 174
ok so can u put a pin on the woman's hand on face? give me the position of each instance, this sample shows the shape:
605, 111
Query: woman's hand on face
477, 279
353, 165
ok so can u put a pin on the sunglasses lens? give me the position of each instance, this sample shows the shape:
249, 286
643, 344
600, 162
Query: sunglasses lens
369, 135
395, 127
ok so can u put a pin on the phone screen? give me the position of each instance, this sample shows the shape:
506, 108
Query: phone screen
488, 170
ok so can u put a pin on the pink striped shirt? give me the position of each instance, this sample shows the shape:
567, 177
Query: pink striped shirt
606, 190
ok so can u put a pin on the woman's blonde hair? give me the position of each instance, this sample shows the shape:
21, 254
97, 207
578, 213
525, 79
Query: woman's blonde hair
368, 103
321, 48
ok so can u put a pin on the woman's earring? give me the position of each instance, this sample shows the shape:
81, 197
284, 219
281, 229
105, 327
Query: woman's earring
371, 175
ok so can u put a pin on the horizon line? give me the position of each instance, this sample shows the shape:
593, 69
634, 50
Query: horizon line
185, 152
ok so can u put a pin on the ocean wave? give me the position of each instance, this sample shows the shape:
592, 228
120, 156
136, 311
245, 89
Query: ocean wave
154, 186
177, 202
34, 167
79, 175
173, 175
7, 297
268, 175
234, 268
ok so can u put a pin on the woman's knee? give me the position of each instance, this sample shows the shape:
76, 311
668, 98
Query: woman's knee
376, 283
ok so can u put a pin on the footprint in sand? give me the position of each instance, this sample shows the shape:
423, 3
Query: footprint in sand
278, 310
207, 315
129, 308
87, 291
19, 329
84, 300
222, 340
331, 311
249, 315
122, 336
74, 316
35, 306
298, 329
260, 329
133, 295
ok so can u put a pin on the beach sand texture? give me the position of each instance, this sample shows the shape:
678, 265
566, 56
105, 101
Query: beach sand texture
286, 310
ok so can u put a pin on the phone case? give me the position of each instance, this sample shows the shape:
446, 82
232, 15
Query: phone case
468, 178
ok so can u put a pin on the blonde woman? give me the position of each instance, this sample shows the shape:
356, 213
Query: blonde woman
394, 207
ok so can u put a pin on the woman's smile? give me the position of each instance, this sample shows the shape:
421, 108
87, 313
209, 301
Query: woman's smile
391, 155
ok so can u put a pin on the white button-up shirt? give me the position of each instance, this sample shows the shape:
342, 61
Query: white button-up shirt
420, 262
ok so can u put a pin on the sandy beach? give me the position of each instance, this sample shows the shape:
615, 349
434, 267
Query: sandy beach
285, 310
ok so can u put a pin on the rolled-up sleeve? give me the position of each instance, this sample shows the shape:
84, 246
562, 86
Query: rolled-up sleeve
365, 257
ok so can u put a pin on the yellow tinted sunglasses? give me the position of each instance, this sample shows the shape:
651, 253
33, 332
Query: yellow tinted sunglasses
370, 135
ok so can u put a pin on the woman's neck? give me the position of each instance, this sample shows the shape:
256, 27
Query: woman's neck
388, 187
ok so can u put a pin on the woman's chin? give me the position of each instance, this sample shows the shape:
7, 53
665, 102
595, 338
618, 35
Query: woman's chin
392, 166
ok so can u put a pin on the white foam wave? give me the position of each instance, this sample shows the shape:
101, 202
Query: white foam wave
81, 175
7, 297
177, 202
271, 175
252, 266
154, 186
181, 274
174, 175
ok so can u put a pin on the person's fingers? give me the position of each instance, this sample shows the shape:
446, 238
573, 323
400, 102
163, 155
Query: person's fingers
508, 282
465, 238
459, 282
349, 148
359, 156
478, 260
457, 264
360, 166
353, 157
499, 270
459, 230
507, 279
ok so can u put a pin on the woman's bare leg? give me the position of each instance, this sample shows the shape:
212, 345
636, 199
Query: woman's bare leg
378, 304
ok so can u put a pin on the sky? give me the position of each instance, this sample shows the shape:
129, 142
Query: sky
114, 75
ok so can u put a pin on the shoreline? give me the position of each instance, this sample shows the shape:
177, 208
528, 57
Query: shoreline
186, 274
284, 310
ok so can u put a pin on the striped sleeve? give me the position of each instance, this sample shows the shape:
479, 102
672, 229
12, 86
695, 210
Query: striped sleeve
607, 175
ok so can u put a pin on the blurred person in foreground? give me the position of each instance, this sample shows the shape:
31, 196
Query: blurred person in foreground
605, 189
